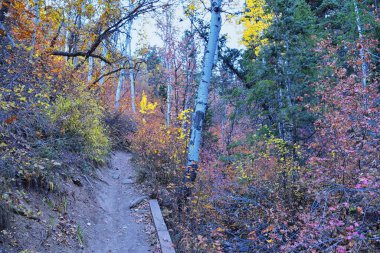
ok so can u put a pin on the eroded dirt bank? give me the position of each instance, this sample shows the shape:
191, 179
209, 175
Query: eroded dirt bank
86, 216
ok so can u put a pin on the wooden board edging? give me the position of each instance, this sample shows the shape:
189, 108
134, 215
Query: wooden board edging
161, 228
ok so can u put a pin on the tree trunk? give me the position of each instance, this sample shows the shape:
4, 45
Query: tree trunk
78, 26
362, 54
168, 101
169, 60
102, 63
202, 97
131, 70
224, 125
36, 23
190, 62
282, 116
68, 35
127, 52
121, 76
90, 69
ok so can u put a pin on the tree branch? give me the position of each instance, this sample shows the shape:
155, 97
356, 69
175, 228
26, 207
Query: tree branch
2, 27
115, 71
144, 6
139, 9
84, 54
230, 66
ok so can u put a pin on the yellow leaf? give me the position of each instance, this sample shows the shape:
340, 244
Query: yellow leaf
256, 20
145, 106
208, 206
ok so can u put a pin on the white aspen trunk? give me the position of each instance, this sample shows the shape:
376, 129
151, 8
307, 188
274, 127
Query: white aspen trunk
202, 97
128, 53
216, 51
131, 71
120, 81
169, 41
119, 88
90, 69
169, 87
78, 26
67, 39
168, 101
120, 85
190, 62
36, 23
67, 34
102, 63
362, 53
185, 102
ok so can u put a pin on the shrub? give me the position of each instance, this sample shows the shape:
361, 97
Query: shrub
120, 126
80, 115
161, 151
246, 204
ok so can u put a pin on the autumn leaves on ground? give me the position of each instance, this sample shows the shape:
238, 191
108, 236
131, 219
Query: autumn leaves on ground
279, 154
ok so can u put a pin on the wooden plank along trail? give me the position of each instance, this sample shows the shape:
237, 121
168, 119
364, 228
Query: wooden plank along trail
162, 230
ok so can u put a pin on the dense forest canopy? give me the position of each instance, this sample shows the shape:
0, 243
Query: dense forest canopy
269, 146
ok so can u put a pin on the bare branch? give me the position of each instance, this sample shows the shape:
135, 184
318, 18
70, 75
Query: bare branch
117, 70
143, 7
84, 54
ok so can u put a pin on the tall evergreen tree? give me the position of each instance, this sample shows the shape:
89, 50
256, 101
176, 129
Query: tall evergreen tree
280, 75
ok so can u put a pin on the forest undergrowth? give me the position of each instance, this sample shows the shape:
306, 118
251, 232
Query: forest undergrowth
289, 154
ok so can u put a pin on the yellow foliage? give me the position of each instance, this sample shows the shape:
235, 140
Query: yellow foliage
145, 106
90, 9
256, 19
184, 118
268, 157
184, 115
161, 150
81, 115
191, 8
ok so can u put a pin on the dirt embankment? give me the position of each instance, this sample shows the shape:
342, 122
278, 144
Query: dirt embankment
88, 215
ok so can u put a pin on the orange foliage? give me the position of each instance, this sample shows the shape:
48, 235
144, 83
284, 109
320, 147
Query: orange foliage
161, 150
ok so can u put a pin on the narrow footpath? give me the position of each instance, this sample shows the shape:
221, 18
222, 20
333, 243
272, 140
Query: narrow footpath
114, 228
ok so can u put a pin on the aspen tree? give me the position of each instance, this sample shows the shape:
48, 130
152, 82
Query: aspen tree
202, 97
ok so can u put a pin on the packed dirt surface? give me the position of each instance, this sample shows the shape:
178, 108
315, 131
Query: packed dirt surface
114, 228
87, 215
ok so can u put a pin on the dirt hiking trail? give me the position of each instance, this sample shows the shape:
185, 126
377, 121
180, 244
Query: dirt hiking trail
113, 228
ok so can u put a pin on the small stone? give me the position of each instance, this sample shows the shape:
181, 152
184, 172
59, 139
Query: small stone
89, 224
137, 201
77, 181
57, 164
128, 181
